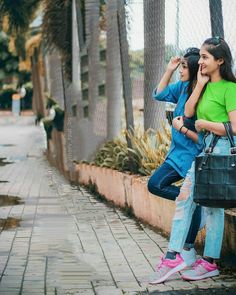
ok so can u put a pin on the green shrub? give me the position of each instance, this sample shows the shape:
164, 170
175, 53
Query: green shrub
113, 154
148, 151
6, 98
48, 126
150, 148
58, 121
26, 101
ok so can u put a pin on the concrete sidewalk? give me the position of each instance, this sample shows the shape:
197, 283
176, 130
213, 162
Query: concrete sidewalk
60, 239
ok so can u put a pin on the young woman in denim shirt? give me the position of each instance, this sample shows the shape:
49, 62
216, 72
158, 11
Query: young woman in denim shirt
184, 144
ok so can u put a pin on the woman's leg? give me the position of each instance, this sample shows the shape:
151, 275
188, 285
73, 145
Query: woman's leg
173, 262
188, 253
194, 227
185, 208
214, 232
206, 267
160, 183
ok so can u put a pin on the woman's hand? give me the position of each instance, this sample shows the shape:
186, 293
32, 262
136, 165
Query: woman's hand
200, 125
171, 67
178, 122
202, 79
173, 63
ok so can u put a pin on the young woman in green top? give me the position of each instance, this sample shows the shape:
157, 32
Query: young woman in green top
214, 101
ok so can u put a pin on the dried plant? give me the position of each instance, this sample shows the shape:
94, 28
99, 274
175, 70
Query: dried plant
148, 151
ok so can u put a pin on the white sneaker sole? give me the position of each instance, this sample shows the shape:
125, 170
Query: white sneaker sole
169, 274
204, 276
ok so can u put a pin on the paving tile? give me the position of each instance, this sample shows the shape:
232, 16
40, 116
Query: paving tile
68, 242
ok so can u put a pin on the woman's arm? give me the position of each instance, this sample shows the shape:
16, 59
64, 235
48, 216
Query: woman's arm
171, 67
232, 117
217, 128
178, 124
191, 103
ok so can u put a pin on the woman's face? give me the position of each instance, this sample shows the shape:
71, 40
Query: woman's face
183, 70
208, 64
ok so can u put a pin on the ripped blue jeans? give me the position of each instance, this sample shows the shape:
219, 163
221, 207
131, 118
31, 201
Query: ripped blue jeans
185, 207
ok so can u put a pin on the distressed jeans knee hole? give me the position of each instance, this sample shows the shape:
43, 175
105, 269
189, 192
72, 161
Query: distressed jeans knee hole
179, 212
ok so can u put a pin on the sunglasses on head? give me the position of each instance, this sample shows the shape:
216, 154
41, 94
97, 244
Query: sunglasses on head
216, 40
191, 51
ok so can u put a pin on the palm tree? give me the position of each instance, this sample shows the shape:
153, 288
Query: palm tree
216, 15
113, 72
92, 13
20, 14
77, 46
154, 60
57, 31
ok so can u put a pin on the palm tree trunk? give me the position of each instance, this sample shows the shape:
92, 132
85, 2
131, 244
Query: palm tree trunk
154, 60
38, 96
113, 72
217, 27
55, 79
92, 40
76, 73
126, 79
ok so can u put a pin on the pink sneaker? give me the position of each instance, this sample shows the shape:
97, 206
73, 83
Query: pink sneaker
202, 269
166, 268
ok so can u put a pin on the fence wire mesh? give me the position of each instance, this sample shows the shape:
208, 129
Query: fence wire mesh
185, 23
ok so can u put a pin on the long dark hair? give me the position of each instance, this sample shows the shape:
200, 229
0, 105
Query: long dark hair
217, 47
192, 56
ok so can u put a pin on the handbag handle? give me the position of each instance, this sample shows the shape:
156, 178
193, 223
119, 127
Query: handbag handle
229, 133
215, 138
213, 143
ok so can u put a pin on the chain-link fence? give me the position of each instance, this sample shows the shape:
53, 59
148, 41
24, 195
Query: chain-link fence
187, 24
156, 30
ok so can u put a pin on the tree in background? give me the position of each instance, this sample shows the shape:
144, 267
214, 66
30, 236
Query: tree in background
113, 72
15, 17
8, 61
19, 15
92, 13
216, 16
154, 61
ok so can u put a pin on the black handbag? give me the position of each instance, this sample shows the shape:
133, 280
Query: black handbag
215, 175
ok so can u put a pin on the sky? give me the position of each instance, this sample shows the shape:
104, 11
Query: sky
194, 23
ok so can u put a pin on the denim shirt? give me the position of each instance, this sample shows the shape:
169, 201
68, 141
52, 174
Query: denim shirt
182, 150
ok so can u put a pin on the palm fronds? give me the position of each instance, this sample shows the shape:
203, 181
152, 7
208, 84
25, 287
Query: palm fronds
57, 30
149, 149
20, 13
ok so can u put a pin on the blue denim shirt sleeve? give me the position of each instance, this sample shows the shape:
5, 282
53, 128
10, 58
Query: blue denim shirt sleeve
182, 150
171, 93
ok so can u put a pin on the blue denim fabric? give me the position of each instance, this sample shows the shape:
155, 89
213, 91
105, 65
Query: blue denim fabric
182, 149
185, 208
161, 184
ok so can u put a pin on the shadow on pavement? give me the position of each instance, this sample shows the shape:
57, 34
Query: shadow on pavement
6, 200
